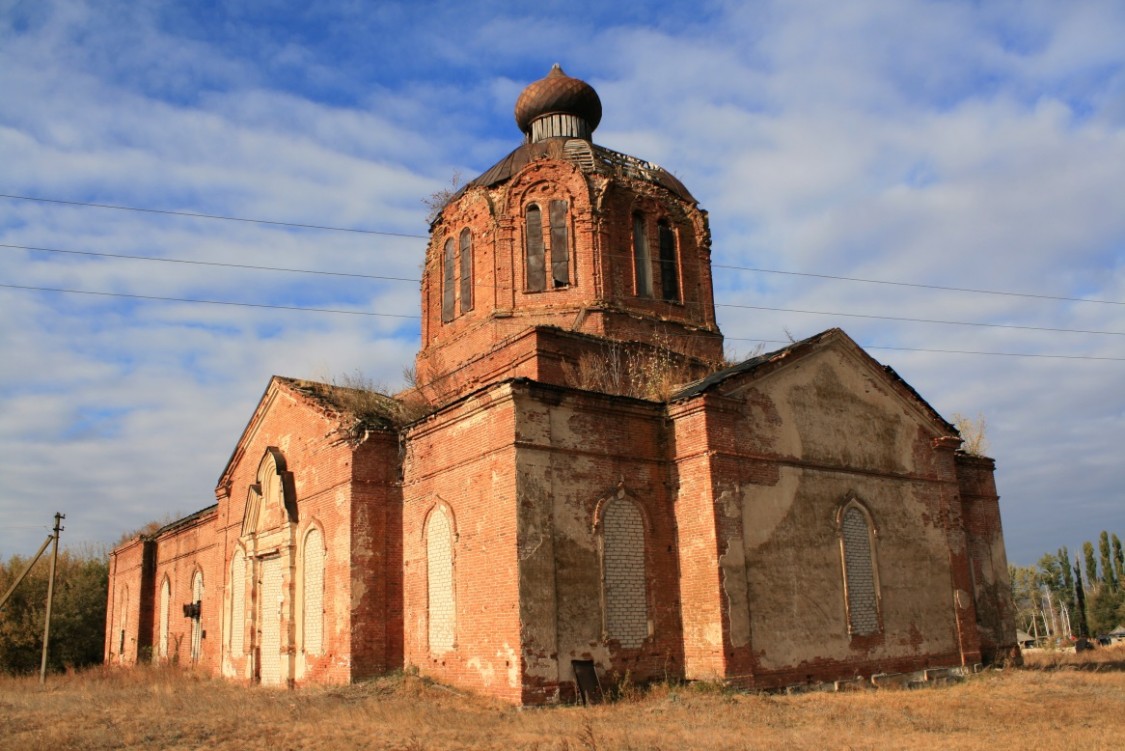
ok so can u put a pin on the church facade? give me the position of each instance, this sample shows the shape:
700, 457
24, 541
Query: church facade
576, 481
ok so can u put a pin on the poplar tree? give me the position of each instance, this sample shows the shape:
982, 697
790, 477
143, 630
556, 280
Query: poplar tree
1108, 576
1091, 565
1118, 560
1080, 599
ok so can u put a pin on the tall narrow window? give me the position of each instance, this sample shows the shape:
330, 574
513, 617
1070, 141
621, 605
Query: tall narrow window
448, 280
238, 603
560, 245
859, 573
197, 620
623, 573
165, 607
314, 592
536, 268
669, 269
466, 270
642, 261
439, 581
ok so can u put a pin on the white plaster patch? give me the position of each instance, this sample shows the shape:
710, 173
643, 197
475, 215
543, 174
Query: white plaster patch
764, 506
484, 668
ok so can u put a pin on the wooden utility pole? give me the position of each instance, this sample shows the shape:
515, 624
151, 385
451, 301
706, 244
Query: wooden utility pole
50, 597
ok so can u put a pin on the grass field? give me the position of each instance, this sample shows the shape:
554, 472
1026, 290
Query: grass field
1058, 701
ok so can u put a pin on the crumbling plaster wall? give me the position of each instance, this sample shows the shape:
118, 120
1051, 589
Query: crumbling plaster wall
578, 451
811, 436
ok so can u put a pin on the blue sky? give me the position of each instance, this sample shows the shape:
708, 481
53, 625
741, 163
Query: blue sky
956, 144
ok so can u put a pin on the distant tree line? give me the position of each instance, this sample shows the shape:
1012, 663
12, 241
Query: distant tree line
1061, 597
77, 617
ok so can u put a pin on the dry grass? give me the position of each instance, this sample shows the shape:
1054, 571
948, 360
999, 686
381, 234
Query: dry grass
1055, 706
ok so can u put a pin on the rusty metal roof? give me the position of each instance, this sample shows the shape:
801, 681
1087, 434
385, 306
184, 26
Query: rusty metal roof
589, 157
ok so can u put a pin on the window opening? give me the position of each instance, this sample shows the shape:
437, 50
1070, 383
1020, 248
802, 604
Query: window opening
560, 255
623, 562
314, 592
669, 272
196, 618
439, 580
535, 253
466, 271
165, 606
642, 263
238, 603
859, 573
448, 281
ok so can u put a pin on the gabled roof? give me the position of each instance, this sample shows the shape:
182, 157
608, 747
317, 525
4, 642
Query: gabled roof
353, 410
763, 364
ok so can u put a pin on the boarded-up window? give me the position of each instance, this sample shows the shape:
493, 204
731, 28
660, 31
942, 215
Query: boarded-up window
439, 581
269, 614
165, 608
448, 280
314, 592
859, 573
238, 603
669, 268
560, 245
623, 556
642, 261
466, 271
536, 268
197, 622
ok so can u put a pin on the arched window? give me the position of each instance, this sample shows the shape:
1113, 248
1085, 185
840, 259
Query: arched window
448, 290
861, 585
669, 267
466, 270
642, 260
440, 605
238, 603
314, 592
165, 614
623, 573
554, 245
197, 620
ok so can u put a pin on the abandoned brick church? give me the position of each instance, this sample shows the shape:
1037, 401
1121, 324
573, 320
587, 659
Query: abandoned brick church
576, 479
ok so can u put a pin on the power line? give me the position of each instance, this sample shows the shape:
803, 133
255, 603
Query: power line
195, 215
328, 228
920, 286
946, 351
921, 320
901, 319
393, 315
209, 263
210, 302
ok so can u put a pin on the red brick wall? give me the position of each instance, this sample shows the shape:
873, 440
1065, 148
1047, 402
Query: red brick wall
462, 458
996, 619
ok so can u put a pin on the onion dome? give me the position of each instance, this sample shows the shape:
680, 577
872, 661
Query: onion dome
558, 106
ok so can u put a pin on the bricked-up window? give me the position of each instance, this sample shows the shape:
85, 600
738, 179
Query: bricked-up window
165, 613
553, 246
642, 261
439, 582
197, 623
238, 603
449, 272
669, 268
466, 270
859, 572
314, 592
123, 622
623, 573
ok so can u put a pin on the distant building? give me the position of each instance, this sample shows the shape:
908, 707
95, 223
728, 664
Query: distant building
576, 477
